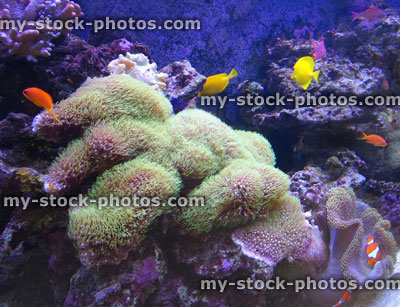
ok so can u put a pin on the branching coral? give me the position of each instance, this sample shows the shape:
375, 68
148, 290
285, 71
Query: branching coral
283, 233
103, 98
139, 67
32, 42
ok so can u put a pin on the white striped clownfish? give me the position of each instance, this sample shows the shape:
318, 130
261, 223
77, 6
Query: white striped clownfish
346, 296
373, 251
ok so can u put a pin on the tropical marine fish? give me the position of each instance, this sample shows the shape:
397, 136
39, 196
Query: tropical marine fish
374, 139
304, 72
373, 251
41, 99
319, 49
217, 83
346, 297
370, 14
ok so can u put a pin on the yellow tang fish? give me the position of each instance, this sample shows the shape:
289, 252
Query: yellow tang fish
304, 72
217, 83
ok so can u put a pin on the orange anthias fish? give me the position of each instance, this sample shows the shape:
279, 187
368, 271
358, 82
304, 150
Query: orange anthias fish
346, 297
373, 251
41, 99
374, 139
371, 14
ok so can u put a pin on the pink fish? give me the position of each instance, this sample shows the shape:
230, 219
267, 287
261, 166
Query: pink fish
371, 14
319, 49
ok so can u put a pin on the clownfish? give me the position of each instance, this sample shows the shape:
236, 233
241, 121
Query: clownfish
374, 139
41, 99
346, 297
217, 83
304, 72
373, 251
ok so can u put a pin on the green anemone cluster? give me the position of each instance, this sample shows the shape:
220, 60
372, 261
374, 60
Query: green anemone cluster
131, 145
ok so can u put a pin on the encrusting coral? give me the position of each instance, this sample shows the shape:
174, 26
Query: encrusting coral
136, 147
283, 233
32, 42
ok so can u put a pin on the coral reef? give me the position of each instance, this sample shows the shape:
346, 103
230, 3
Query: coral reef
102, 98
83, 60
31, 42
308, 116
142, 150
211, 50
354, 223
307, 186
183, 84
138, 66
387, 206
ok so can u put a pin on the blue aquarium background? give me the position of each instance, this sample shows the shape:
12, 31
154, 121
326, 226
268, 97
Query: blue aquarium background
249, 159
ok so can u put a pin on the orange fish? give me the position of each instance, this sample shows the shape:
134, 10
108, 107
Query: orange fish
41, 99
373, 251
346, 296
374, 139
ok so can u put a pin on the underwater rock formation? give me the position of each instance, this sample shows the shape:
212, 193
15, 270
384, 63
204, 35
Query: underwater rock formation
82, 60
307, 116
184, 82
31, 42
307, 185
210, 48
133, 281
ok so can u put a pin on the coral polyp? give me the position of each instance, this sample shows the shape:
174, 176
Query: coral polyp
239, 193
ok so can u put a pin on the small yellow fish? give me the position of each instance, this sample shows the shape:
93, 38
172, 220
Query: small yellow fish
217, 83
41, 99
304, 72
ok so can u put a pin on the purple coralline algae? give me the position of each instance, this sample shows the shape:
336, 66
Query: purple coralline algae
31, 42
